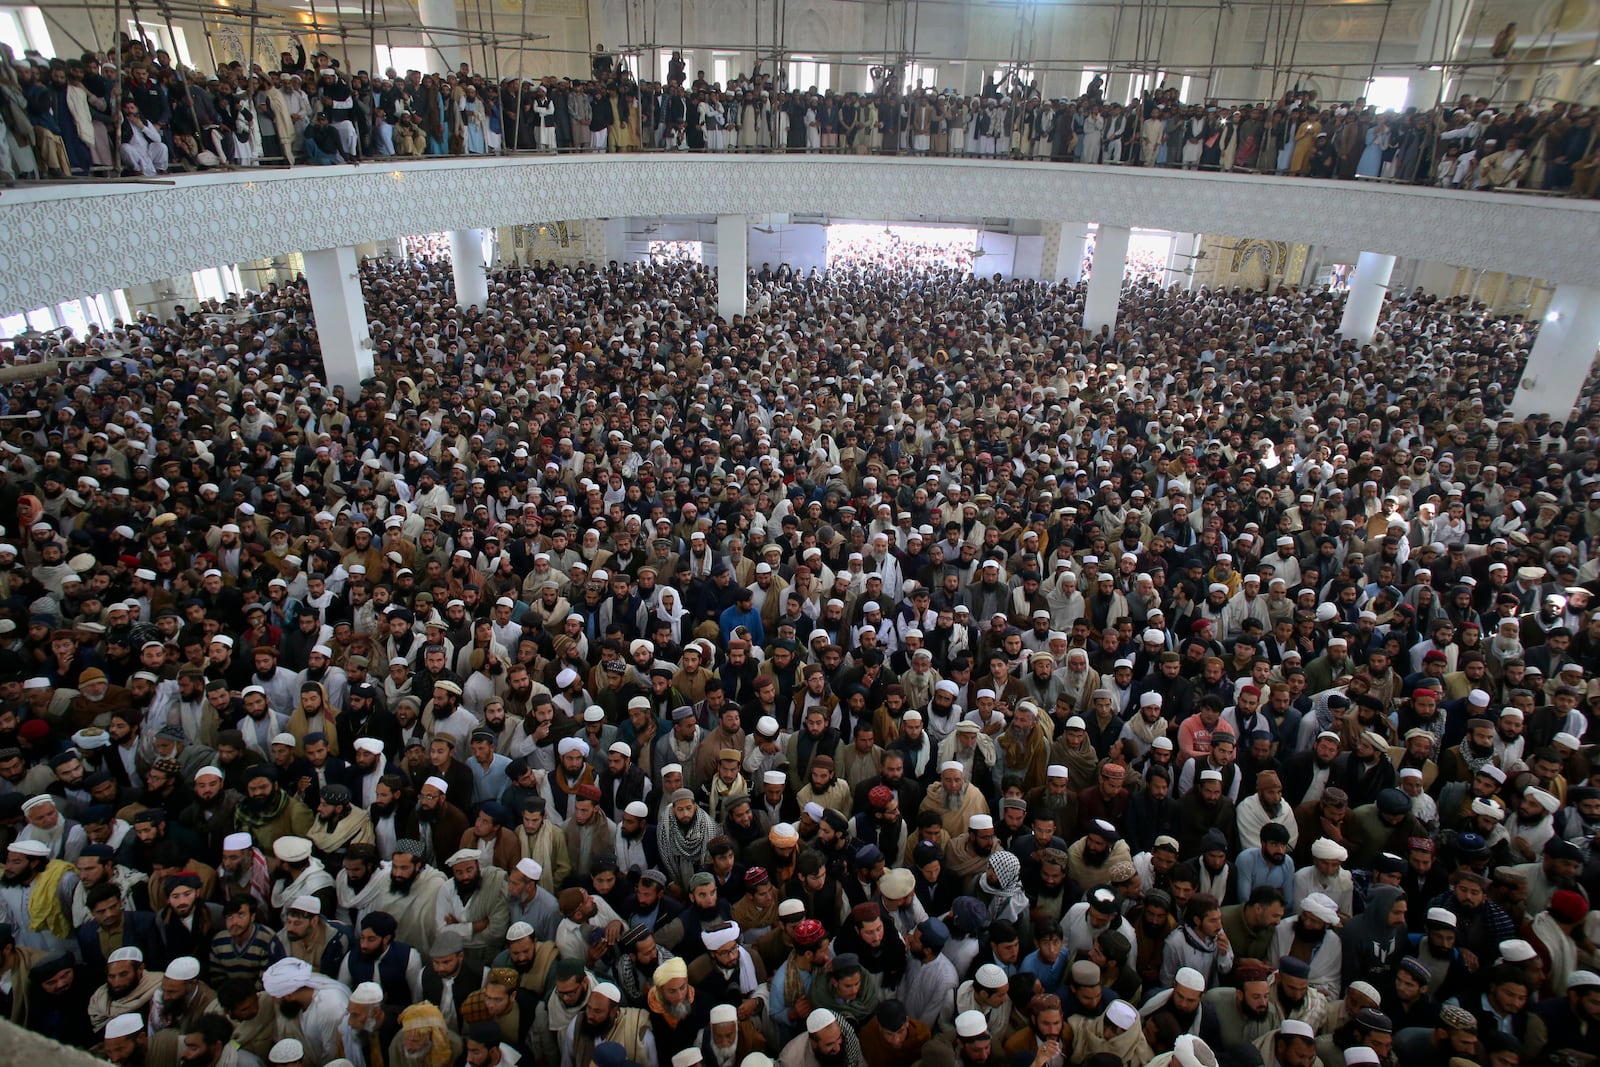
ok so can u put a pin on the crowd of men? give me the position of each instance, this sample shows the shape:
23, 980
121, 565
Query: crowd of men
141, 114
903, 673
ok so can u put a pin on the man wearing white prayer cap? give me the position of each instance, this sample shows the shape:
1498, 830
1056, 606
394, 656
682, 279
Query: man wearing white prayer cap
321, 1005
571, 773
827, 1040
125, 1039
181, 998
26, 865
288, 1052
1325, 874
604, 1019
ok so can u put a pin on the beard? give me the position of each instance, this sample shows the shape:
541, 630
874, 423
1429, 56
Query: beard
680, 1010
467, 890
425, 815
401, 886
289, 1009
259, 805
1252, 1015
380, 811
1302, 936
595, 1030
831, 1059
1290, 1006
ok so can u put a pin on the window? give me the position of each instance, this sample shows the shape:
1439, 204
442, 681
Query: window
23, 28
806, 73
1183, 89
1084, 79
724, 66
217, 283
1388, 94
156, 36
928, 76
402, 59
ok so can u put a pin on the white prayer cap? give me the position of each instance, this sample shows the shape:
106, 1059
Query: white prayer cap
566, 677
530, 868
1122, 1015
208, 772
980, 822
968, 1024
464, 855
1056, 770
184, 969
438, 783
687, 1057
1297, 1028
638, 809
368, 993
289, 1050
126, 954
1189, 978
1516, 951
952, 765
1359, 1054
38, 800
723, 1014
608, 991
306, 903
125, 1025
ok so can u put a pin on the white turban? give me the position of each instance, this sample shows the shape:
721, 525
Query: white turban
715, 939
286, 976
573, 744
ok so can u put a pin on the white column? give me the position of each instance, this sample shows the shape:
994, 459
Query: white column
466, 263
1563, 355
617, 241
341, 314
733, 265
1105, 283
1436, 45
1068, 265
441, 15
1369, 285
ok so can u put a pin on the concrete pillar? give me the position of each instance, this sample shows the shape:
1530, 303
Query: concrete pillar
1105, 283
1436, 45
441, 15
1068, 265
1563, 355
466, 263
733, 265
616, 241
341, 316
1369, 285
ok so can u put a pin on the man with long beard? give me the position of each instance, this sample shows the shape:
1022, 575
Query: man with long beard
1244, 1013
407, 891
670, 1002
1293, 996
474, 895
828, 1042
380, 957
1312, 937
128, 987
605, 1019
267, 812
317, 1003
37, 891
